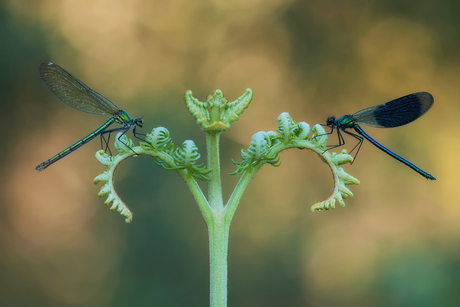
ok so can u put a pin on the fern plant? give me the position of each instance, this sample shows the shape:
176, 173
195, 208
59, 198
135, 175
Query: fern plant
215, 116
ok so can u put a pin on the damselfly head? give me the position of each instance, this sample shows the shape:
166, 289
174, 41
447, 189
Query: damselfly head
330, 121
138, 122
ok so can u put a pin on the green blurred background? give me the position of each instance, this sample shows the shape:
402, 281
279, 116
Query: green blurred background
397, 243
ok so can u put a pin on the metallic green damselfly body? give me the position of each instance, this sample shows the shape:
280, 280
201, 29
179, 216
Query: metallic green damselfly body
76, 94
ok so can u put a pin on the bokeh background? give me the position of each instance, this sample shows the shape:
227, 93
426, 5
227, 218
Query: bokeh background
396, 243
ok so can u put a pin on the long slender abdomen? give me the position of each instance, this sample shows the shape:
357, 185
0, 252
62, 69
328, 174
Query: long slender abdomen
389, 152
75, 146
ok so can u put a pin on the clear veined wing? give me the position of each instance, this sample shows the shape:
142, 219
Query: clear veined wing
74, 92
